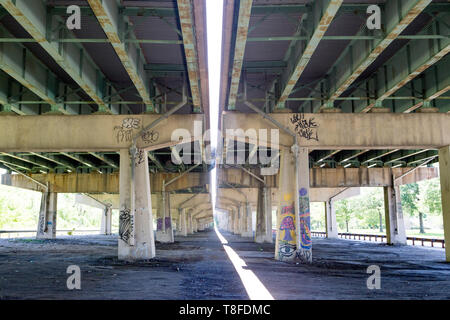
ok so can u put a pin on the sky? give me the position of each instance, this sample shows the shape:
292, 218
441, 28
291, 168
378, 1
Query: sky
214, 14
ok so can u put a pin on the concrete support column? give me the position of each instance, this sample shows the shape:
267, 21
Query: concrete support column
444, 166
230, 221
183, 222
263, 231
247, 221
47, 216
236, 220
189, 229
164, 231
195, 225
106, 221
286, 245
267, 200
136, 238
395, 227
330, 220
303, 218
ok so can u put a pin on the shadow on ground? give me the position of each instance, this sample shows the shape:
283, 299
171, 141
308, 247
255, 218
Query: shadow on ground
196, 267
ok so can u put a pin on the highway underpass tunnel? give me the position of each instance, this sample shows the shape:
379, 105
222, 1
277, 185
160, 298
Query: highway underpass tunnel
205, 132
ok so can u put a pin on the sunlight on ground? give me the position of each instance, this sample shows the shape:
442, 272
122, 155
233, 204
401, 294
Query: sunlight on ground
254, 287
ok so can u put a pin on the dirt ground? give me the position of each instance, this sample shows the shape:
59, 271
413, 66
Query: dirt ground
197, 267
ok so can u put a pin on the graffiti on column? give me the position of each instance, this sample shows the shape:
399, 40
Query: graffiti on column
124, 132
54, 225
125, 224
287, 246
305, 128
159, 224
42, 223
168, 222
305, 226
140, 154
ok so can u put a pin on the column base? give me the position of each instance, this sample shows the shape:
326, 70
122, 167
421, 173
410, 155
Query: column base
164, 237
141, 251
263, 239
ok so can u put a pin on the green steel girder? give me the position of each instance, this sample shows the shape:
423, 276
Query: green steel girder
346, 38
19, 63
33, 17
191, 54
349, 155
16, 163
92, 40
55, 159
401, 155
155, 160
81, 159
124, 11
374, 155
301, 55
102, 157
411, 61
243, 20
131, 56
31, 159
421, 158
398, 14
324, 155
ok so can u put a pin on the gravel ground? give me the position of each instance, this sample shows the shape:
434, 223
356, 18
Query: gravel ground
197, 267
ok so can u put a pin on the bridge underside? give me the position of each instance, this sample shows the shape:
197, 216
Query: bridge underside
313, 107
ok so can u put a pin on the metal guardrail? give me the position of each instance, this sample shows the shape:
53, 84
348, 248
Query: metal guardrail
413, 240
19, 232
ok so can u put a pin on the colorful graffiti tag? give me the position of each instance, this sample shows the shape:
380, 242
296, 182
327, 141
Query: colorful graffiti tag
168, 224
286, 240
304, 253
305, 219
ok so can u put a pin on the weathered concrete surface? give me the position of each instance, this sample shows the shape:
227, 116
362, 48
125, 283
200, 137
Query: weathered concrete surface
74, 133
196, 267
348, 131
332, 177
100, 183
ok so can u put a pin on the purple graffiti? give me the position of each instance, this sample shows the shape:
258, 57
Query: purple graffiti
303, 192
287, 224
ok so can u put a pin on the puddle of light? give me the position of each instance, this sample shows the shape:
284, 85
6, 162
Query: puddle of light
254, 287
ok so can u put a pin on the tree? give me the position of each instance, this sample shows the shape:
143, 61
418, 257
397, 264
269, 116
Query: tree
410, 202
344, 212
432, 196
371, 209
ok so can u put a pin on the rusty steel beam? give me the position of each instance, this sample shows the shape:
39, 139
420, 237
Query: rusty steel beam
431, 97
434, 59
319, 32
107, 13
32, 16
185, 11
417, 8
245, 7
227, 27
202, 53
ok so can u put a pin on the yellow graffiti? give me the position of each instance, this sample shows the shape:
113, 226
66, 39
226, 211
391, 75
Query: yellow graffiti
287, 197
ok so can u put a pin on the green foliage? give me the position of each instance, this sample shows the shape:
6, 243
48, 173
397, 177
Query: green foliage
317, 216
363, 212
432, 197
19, 210
410, 198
